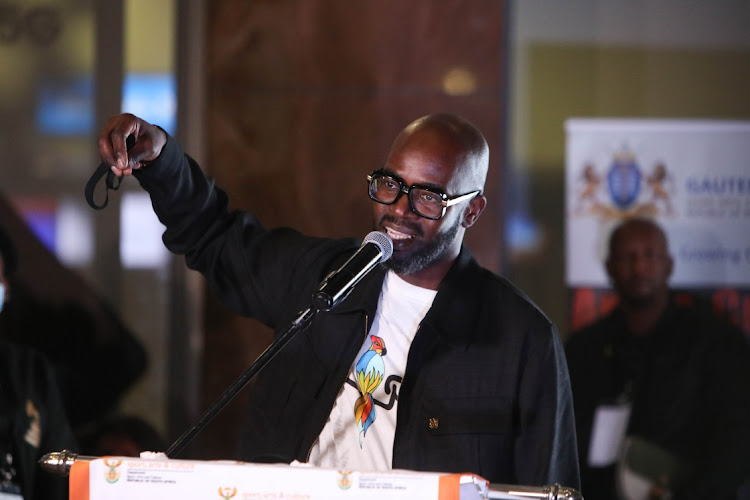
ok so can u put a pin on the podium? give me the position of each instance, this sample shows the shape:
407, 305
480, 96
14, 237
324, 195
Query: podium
155, 477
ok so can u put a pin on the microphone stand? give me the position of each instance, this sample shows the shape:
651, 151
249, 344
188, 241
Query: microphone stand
377, 247
298, 324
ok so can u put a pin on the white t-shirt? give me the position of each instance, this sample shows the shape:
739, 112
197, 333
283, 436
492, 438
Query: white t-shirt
360, 429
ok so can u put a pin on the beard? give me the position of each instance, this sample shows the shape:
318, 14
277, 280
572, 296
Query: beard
423, 258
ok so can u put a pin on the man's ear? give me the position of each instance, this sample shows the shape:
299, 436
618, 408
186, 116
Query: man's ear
474, 210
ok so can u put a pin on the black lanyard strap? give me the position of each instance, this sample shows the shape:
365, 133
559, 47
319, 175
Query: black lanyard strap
111, 181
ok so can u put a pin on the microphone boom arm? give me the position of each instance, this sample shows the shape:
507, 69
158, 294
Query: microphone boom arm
298, 324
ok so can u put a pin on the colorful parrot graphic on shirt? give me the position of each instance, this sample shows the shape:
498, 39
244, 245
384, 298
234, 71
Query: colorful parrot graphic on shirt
370, 370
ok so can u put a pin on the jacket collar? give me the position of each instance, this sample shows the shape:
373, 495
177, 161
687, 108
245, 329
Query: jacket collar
454, 311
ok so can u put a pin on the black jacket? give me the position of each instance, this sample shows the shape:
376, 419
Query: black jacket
486, 363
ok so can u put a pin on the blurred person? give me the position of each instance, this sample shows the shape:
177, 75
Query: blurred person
32, 414
67, 322
431, 363
664, 386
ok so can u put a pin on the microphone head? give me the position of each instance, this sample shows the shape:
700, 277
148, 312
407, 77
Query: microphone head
383, 241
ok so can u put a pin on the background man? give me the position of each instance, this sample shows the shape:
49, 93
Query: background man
682, 373
432, 363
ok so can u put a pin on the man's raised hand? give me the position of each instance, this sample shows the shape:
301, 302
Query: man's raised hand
123, 155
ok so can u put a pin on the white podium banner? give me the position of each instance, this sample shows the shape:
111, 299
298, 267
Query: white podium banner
691, 176
122, 478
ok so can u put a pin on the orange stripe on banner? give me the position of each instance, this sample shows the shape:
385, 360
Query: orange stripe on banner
79, 480
449, 487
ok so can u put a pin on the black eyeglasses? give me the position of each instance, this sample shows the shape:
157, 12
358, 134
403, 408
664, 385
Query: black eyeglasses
425, 201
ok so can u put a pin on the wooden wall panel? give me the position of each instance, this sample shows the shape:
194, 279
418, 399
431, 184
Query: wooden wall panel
304, 99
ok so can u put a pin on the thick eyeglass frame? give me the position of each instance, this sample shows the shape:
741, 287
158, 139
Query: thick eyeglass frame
445, 200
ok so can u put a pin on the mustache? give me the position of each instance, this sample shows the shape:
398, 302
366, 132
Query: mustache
411, 225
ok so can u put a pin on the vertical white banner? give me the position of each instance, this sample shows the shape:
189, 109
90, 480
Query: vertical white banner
691, 176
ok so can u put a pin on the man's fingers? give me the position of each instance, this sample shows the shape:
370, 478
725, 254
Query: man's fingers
141, 149
106, 150
126, 126
127, 143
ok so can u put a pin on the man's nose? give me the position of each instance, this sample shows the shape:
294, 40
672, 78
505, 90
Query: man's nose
640, 263
402, 206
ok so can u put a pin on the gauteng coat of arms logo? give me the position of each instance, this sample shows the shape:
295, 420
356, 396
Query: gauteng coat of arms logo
624, 180
623, 189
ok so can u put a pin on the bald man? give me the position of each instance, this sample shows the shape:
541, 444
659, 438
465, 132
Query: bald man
432, 363
677, 375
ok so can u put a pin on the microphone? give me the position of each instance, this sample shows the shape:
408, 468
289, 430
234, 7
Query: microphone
376, 247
